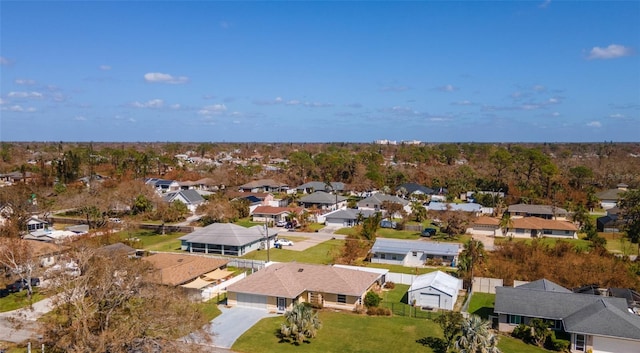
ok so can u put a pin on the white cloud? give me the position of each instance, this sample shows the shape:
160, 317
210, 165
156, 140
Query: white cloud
617, 116
545, 4
24, 82
611, 52
463, 103
152, 104
317, 105
80, 118
175, 106
539, 88
104, 67
19, 109
555, 114
3, 101
448, 88
5, 61
594, 124
158, 77
215, 109
22, 94
293, 102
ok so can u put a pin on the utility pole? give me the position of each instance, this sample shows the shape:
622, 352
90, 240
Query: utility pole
266, 229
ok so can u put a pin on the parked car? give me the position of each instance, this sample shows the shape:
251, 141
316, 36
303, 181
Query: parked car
281, 223
4, 292
388, 224
16, 286
284, 242
429, 232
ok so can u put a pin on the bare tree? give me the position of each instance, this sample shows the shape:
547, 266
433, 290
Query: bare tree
18, 258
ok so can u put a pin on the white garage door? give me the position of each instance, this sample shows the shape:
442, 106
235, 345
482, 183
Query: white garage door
252, 301
610, 345
429, 300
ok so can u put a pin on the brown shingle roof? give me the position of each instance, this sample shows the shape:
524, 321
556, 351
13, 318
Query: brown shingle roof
276, 210
487, 221
289, 280
175, 269
539, 223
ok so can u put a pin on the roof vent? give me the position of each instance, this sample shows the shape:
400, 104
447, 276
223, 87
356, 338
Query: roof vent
300, 269
180, 260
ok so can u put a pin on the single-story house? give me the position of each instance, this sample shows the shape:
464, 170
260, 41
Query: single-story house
533, 227
434, 290
274, 214
163, 185
413, 253
278, 286
595, 323
181, 269
263, 185
227, 239
609, 198
375, 201
610, 223
191, 198
117, 249
414, 189
34, 224
473, 208
484, 225
323, 201
540, 211
313, 186
347, 217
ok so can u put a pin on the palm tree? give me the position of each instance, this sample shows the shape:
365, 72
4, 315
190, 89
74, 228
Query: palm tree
505, 223
302, 323
418, 211
476, 337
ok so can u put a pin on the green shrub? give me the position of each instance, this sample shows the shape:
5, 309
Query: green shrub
555, 344
389, 285
522, 332
372, 299
378, 311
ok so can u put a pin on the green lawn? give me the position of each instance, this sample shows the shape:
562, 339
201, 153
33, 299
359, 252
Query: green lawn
482, 304
619, 244
347, 332
19, 300
408, 270
247, 223
152, 241
323, 253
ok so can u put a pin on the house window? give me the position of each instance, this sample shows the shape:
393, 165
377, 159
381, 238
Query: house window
515, 319
393, 257
519, 231
566, 232
414, 253
580, 342
342, 298
383, 256
548, 231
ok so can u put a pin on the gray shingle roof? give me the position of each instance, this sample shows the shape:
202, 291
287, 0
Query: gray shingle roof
544, 285
192, 196
227, 234
349, 213
321, 197
318, 185
537, 209
581, 313
378, 199
394, 246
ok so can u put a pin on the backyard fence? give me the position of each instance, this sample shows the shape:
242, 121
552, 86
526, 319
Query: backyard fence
401, 278
486, 285
413, 227
402, 309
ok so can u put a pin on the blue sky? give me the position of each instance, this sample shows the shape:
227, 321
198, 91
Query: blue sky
544, 71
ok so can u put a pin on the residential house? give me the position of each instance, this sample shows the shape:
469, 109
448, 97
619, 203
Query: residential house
413, 253
272, 214
595, 323
609, 198
186, 270
375, 202
484, 225
117, 249
323, 201
313, 186
414, 190
279, 286
191, 198
227, 239
35, 224
163, 186
17, 177
610, 223
540, 211
473, 208
534, 227
434, 290
347, 217
263, 185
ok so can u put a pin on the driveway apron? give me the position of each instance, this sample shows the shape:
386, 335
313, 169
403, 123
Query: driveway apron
232, 323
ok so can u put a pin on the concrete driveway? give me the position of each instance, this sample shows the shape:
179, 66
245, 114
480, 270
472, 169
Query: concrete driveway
20, 325
232, 323
313, 239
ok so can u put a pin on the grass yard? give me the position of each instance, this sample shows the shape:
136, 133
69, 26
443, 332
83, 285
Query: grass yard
323, 253
152, 241
247, 223
619, 244
482, 304
549, 241
19, 300
346, 332
408, 270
